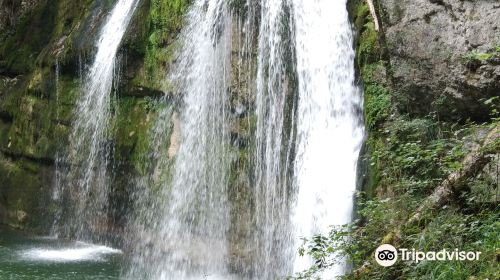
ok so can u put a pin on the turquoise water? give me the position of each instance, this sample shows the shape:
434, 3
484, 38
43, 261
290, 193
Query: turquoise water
35, 258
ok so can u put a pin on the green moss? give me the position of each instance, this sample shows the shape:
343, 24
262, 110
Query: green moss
37, 115
20, 50
32, 128
377, 96
377, 105
132, 124
480, 56
65, 101
361, 15
4, 133
368, 50
157, 42
46, 32
371, 160
21, 192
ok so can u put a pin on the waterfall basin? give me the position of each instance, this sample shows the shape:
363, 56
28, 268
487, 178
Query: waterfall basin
33, 257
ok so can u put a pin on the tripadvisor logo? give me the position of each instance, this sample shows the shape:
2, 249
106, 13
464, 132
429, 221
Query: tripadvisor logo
387, 255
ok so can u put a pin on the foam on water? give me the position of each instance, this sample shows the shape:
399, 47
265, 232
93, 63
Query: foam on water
78, 252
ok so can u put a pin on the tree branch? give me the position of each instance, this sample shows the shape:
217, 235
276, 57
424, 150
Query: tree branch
473, 163
373, 13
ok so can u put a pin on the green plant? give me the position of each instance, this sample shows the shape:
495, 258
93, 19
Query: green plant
377, 105
494, 104
412, 157
479, 56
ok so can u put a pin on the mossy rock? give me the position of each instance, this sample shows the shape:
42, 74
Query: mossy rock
24, 193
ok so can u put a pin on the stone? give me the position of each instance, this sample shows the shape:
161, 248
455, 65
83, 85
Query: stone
429, 43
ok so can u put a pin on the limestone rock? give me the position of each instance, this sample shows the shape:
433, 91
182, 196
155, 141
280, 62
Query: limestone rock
431, 44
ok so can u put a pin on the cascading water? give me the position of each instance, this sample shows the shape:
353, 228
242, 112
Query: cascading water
329, 120
275, 93
305, 49
306, 142
189, 236
83, 184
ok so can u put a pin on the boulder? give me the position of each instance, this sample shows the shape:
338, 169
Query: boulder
444, 55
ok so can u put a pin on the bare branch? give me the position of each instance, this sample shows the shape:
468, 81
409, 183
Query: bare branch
373, 13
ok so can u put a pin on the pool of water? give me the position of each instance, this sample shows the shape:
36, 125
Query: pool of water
33, 257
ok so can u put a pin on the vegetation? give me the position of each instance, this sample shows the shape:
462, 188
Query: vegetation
407, 158
41, 60
156, 44
474, 59
480, 56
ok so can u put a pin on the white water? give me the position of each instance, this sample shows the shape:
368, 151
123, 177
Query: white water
78, 252
329, 127
304, 178
306, 148
273, 142
196, 219
85, 182
188, 240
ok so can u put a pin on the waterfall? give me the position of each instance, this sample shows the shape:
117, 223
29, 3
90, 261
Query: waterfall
329, 122
188, 240
295, 62
83, 183
57, 74
273, 141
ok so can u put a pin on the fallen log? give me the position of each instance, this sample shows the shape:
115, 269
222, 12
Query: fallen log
373, 13
472, 164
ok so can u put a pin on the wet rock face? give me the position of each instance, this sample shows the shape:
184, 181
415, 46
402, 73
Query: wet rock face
12, 10
444, 55
44, 52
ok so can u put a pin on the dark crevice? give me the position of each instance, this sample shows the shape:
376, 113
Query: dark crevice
429, 15
66, 123
40, 160
6, 117
141, 92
